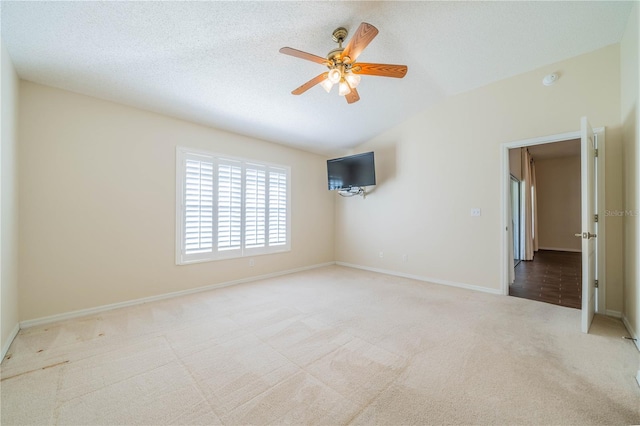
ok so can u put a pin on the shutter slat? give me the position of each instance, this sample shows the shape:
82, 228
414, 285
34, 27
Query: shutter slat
277, 207
198, 200
229, 206
255, 209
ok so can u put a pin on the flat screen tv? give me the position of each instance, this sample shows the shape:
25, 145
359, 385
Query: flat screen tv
353, 171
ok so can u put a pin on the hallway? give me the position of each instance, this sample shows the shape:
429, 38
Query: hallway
552, 277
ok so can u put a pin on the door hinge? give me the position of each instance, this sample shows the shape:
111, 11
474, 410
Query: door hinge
595, 284
596, 152
595, 217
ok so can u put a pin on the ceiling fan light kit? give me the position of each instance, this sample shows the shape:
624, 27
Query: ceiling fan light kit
341, 62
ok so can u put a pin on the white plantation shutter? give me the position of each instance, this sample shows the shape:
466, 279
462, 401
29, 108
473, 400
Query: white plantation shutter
255, 206
229, 207
198, 205
277, 207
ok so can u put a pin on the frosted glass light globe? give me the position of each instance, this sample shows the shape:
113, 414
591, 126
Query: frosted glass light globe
353, 79
343, 88
334, 76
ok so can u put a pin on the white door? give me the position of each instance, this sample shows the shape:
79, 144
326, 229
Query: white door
589, 226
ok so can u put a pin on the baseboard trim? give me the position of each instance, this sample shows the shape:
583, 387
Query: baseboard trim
611, 313
6, 345
633, 335
103, 308
632, 332
421, 278
560, 249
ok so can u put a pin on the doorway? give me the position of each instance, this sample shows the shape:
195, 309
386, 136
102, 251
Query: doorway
592, 182
550, 270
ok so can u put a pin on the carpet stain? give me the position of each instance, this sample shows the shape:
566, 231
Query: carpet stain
37, 369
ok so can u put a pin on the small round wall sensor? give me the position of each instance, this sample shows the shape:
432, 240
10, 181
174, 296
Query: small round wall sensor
550, 79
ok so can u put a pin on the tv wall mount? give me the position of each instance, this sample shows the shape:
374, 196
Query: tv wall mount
350, 192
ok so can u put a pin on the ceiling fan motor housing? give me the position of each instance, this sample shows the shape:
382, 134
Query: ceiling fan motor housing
334, 55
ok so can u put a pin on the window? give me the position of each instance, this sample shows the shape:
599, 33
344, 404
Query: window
229, 207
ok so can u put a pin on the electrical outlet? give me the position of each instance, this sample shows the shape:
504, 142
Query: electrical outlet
381, 254
252, 262
405, 258
475, 212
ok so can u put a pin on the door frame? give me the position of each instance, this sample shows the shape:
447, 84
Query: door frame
505, 180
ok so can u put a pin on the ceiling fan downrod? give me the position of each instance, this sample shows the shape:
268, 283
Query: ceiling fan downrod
339, 35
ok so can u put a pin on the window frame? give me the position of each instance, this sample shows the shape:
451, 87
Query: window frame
182, 154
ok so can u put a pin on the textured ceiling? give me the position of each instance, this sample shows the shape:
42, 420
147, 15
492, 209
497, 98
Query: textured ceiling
217, 63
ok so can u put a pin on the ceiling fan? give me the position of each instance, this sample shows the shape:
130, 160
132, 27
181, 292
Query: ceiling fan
341, 62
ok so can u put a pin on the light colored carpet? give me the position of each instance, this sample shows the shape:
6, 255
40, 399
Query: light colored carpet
327, 346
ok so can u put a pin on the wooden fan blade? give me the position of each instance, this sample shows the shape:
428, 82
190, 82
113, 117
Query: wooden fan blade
384, 70
303, 55
353, 96
309, 84
361, 39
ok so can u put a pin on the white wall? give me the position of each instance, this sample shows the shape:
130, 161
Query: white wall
630, 115
97, 203
8, 203
559, 208
437, 165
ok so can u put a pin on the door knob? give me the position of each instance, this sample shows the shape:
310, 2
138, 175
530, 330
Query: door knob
586, 235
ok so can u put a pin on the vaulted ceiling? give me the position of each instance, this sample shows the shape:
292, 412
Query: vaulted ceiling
217, 63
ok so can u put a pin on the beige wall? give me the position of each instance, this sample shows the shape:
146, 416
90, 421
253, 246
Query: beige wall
630, 115
559, 208
440, 163
97, 203
96, 229
8, 202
